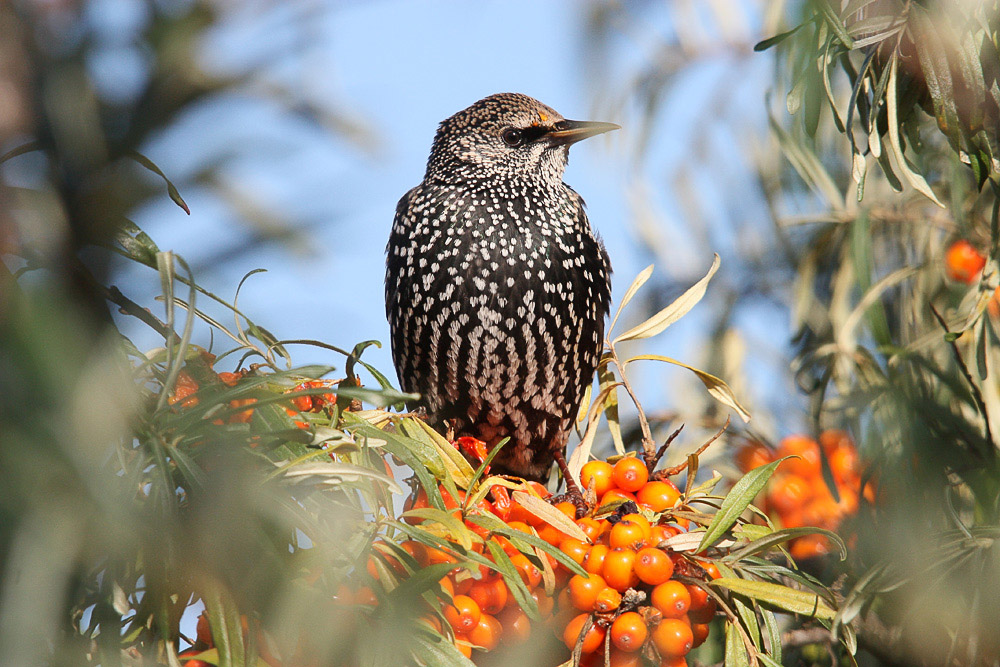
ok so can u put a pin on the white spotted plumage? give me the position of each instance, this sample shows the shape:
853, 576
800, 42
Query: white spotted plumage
496, 287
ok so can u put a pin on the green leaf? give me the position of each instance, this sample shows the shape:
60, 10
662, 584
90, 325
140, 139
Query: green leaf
719, 390
227, 630
639, 281
495, 525
838, 26
676, 310
763, 544
175, 195
772, 633
795, 601
737, 501
513, 579
736, 650
765, 44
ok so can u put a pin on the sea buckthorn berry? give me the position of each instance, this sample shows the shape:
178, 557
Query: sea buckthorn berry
486, 634
623, 659
448, 586
788, 493
607, 600
583, 591
658, 496
674, 661
463, 644
598, 474
629, 632
567, 508
699, 597
544, 603
810, 546
962, 262
640, 520
619, 569
463, 613
753, 455
616, 496
712, 570
516, 625
672, 599
672, 637
530, 574
627, 534
592, 528
435, 556
699, 631
591, 641
630, 474
806, 449
661, 533
844, 464
594, 562
703, 614
575, 549
653, 566
204, 630
490, 595
551, 534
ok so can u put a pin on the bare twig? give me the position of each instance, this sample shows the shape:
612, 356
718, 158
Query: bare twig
669, 472
648, 444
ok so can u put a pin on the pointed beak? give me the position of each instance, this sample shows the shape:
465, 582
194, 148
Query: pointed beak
572, 131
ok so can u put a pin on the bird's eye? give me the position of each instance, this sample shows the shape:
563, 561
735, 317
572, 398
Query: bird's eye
513, 137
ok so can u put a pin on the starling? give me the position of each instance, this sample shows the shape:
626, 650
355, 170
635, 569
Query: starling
496, 287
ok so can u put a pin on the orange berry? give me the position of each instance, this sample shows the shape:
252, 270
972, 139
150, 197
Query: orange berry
435, 556
575, 549
661, 533
463, 613
788, 493
598, 474
753, 455
551, 534
629, 632
203, 630
463, 644
658, 496
490, 595
712, 569
962, 262
619, 569
672, 637
699, 631
607, 600
628, 534
591, 641
672, 599
699, 598
516, 625
806, 449
674, 661
567, 508
623, 659
594, 562
542, 601
592, 528
703, 614
530, 574
653, 566
583, 591
188, 661
487, 633
630, 474
810, 546
616, 496
844, 464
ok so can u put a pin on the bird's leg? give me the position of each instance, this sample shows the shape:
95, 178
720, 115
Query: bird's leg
573, 493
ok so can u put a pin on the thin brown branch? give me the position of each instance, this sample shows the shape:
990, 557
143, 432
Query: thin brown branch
669, 472
648, 444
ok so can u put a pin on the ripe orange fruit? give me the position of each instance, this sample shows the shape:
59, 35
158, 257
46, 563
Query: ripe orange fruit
700, 633
598, 474
607, 600
622, 659
591, 641
810, 546
962, 262
486, 633
575, 549
463, 613
489, 594
516, 625
629, 632
203, 630
658, 496
661, 533
530, 574
712, 569
628, 534
463, 644
753, 455
619, 569
544, 602
583, 591
806, 449
672, 598
630, 474
594, 562
616, 496
592, 528
188, 661
789, 492
673, 637
653, 566
703, 614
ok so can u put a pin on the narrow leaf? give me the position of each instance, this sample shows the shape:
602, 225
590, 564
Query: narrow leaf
175, 195
639, 281
716, 387
805, 603
549, 514
737, 501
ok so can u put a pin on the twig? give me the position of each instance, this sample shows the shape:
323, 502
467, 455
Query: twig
973, 387
648, 444
129, 307
669, 472
663, 448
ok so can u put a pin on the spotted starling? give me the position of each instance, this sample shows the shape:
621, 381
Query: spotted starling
496, 287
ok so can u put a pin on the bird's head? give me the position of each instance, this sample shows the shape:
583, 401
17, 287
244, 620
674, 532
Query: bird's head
507, 136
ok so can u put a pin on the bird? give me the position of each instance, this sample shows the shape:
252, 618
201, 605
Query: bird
497, 288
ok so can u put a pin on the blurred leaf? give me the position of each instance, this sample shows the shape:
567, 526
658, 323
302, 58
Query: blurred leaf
638, 282
764, 544
172, 191
674, 311
765, 44
795, 601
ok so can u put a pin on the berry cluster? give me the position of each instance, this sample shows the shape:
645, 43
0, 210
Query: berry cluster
627, 601
797, 494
